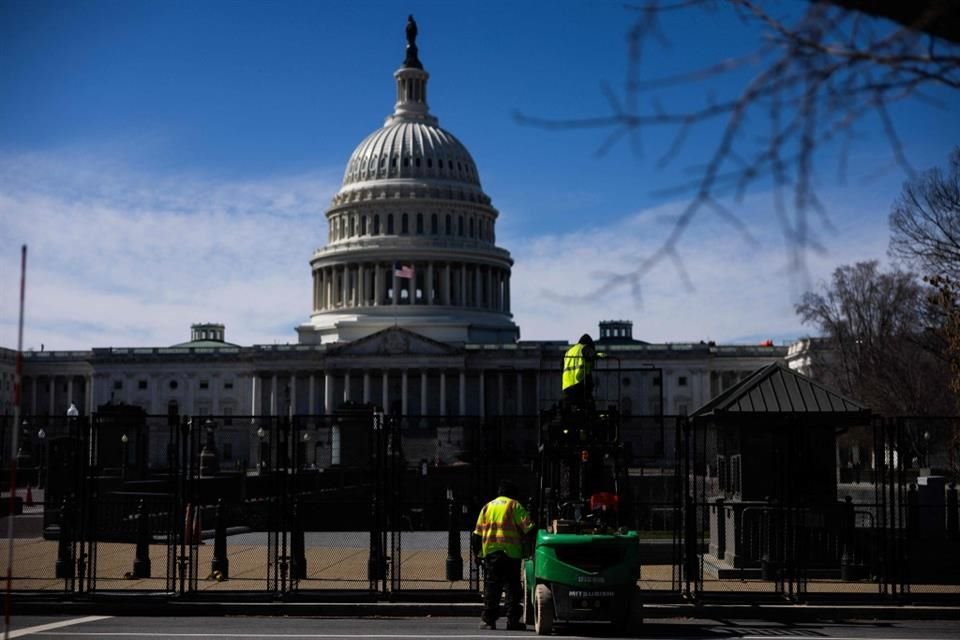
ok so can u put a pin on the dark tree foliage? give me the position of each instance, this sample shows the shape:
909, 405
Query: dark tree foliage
815, 75
879, 345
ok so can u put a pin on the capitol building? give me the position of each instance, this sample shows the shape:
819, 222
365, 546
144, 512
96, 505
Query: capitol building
410, 312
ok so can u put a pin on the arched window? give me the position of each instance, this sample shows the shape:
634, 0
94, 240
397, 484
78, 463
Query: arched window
433, 224
390, 225
419, 223
363, 225
449, 227
471, 227
404, 224
376, 225
460, 226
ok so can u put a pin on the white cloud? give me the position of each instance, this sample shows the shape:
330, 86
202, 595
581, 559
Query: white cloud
121, 259
742, 292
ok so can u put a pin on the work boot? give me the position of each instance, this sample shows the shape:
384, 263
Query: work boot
488, 625
516, 625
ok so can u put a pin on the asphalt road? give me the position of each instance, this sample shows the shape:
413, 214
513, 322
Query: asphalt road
306, 628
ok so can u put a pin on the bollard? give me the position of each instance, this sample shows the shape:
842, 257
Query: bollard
298, 560
141, 562
64, 565
220, 565
454, 558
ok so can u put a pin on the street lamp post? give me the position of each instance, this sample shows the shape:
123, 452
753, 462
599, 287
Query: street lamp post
262, 461
306, 450
24, 457
124, 440
42, 435
209, 462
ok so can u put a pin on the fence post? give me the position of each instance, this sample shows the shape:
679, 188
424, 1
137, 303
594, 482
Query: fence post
454, 558
298, 556
768, 561
64, 565
953, 524
913, 510
141, 561
691, 561
376, 562
220, 564
847, 531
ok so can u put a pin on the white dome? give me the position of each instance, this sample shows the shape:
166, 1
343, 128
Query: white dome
411, 235
411, 149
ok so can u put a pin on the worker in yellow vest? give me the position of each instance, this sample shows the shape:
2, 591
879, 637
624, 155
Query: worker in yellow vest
578, 372
501, 539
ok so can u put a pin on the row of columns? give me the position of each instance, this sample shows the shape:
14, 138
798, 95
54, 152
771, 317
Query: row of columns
86, 400
271, 384
372, 284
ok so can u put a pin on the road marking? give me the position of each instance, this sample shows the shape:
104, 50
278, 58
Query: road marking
134, 634
40, 628
825, 637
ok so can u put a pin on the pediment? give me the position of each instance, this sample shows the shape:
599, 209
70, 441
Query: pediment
394, 341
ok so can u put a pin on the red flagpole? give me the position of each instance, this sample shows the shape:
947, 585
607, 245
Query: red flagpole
14, 444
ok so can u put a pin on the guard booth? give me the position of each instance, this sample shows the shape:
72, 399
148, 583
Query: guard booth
773, 510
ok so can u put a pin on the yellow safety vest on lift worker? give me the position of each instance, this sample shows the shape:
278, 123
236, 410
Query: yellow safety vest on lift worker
501, 526
575, 367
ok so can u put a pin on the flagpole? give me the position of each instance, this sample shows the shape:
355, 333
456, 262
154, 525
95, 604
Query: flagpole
15, 437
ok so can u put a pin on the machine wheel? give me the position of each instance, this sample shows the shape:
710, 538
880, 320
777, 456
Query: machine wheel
528, 610
630, 621
543, 617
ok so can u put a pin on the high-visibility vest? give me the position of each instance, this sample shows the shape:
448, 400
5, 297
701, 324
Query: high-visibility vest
501, 526
575, 367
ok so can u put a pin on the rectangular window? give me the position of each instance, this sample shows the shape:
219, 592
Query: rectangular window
204, 384
228, 385
682, 381
117, 385
228, 416
142, 384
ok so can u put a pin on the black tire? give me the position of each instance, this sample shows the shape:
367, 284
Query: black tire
543, 615
630, 620
528, 608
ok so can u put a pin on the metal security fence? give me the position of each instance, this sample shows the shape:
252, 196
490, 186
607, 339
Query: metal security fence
367, 506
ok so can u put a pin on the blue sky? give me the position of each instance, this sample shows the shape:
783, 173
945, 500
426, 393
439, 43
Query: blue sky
170, 163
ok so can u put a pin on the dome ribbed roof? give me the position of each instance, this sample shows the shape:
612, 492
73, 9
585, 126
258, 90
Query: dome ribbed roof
411, 149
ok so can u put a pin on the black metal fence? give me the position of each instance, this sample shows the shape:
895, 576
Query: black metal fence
362, 505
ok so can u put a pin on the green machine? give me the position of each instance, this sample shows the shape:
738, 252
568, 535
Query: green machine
586, 562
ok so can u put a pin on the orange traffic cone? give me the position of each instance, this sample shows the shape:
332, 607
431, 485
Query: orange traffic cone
29, 495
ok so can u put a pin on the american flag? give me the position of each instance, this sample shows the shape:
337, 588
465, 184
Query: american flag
402, 270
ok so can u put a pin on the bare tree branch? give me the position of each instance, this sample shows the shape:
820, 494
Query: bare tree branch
816, 78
